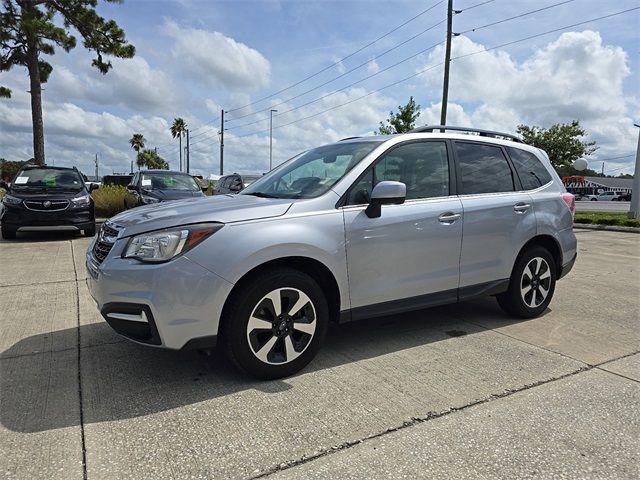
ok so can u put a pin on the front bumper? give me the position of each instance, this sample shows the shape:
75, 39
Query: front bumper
174, 305
19, 218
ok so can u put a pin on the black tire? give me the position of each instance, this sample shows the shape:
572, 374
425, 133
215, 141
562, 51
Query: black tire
90, 232
8, 234
594, 199
525, 305
250, 298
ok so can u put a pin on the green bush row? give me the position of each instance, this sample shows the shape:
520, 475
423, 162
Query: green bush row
109, 200
603, 218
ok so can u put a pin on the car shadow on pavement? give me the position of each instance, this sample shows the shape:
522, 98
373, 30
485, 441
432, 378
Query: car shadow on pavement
122, 380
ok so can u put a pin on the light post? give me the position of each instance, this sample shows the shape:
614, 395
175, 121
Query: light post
271, 138
634, 210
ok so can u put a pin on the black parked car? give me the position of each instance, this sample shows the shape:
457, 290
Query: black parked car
47, 198
154, 186
234, 183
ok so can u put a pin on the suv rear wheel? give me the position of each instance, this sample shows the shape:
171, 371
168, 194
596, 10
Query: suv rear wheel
532, 284
274, 324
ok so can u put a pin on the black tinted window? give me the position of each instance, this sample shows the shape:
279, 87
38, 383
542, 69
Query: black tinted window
530, 170
483, 169
423, 167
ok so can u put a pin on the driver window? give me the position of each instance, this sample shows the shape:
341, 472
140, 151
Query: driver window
423, 167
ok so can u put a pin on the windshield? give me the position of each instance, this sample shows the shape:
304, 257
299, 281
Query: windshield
169, 181
311, 173
48, 178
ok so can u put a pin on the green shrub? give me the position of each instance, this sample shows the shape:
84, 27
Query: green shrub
109, 200
3, 192
606, 218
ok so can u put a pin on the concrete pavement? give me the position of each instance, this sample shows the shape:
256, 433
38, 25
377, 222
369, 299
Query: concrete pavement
454, 391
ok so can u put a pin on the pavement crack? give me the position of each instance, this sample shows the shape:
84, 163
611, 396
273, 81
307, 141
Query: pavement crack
41, 283
410, 423
80, 400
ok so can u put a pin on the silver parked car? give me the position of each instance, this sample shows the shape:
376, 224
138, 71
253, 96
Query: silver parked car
355, 229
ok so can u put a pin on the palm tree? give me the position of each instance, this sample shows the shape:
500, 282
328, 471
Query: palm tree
178, 129
137, 142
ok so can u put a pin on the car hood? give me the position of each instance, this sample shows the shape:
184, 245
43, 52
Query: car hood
219, 208
165, 195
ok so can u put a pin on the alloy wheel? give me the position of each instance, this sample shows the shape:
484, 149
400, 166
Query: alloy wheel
281, 326
535, 282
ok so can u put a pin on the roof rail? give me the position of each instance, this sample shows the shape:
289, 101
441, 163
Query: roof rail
481, 133
348, 138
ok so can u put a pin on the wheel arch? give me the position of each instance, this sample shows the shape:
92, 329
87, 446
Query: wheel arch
310, 266
549, 243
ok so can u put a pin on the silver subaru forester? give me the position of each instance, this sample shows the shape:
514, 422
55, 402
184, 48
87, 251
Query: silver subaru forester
356, 229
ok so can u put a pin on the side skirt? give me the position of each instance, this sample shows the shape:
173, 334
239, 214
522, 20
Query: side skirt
424, 301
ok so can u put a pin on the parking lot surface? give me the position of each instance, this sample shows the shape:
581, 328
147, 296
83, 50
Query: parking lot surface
449, 392
602, 206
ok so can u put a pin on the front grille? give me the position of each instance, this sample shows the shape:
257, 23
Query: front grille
105, 241
46, 205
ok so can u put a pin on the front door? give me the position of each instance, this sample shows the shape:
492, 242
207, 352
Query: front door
409, 256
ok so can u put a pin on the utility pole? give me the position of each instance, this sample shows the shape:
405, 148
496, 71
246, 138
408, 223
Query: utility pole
97, 178
222, 141
187, 150
603, 169
271, 138
447, 61
634, 208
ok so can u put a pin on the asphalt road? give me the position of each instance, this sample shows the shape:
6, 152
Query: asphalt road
461, 391
599, 206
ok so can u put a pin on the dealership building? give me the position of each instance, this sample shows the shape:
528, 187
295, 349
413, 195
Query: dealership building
595, 185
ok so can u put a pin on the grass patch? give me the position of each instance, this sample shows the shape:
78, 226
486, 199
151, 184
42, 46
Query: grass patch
109, 200
605, 218
3, 192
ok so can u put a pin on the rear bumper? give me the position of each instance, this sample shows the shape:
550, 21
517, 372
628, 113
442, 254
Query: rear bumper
567, 267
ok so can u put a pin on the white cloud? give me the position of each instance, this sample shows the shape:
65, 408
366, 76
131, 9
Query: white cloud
573, 77
216, 60
372, 66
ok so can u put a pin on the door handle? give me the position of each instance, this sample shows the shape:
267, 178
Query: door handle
449, 217
521, 207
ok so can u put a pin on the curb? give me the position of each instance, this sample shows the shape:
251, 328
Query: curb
610, 228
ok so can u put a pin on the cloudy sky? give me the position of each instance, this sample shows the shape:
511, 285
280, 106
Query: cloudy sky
324, 67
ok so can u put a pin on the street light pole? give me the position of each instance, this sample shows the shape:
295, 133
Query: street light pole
634, 210
271, 138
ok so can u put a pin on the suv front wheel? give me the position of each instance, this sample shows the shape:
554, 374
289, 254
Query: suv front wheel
275, 323
532, 284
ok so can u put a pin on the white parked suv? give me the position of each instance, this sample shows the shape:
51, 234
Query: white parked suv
608, 196
352, 230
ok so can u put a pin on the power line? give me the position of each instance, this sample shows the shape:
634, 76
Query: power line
476, 5
514, 17
338, 61
344, 88
546, 33
341, 75
455, 58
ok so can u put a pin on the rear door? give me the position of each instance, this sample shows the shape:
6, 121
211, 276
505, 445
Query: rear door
409, 256
498, 215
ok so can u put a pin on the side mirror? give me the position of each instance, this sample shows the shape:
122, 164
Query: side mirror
4, 185
385, 193
93, 187
132, 188
235, 187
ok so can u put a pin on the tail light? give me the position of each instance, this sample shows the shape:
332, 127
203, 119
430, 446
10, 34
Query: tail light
570, 200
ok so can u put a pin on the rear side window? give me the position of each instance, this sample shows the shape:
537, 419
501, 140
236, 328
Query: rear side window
483, 169
531, 171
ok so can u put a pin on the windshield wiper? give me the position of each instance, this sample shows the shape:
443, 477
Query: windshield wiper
262, 195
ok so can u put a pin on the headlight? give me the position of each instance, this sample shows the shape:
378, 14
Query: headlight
164, 245
82, 201
146, 199
11, 200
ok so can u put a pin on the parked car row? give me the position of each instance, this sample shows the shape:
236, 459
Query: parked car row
605, 197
